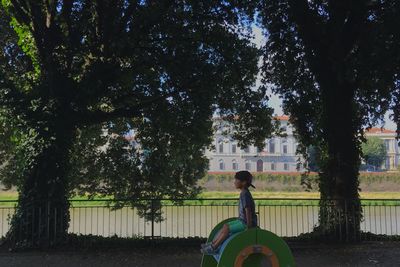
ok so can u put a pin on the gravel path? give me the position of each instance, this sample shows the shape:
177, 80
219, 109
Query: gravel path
367, 254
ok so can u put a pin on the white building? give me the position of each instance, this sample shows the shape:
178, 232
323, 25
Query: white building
392, 147
279, 154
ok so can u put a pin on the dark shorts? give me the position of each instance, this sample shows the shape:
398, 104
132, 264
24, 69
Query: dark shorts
236, 226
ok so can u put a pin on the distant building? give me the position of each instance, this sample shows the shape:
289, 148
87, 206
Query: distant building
278, 155
392, 148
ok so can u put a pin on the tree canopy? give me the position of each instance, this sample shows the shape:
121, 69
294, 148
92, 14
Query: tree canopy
335, 64
77, 75
374, 151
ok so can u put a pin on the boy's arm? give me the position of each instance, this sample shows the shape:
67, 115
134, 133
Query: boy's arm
248, 217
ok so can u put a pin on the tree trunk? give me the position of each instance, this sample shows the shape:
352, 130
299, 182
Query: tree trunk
340, 209
42, 213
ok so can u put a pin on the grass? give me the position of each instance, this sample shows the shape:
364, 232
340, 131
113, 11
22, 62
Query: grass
303, 198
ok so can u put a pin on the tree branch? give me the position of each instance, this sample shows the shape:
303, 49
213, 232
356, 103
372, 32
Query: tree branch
353, 26
93, 117
308, 24
20, 12
128, 14
50, 12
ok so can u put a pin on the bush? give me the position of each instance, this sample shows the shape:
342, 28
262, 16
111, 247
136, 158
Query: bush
290, 180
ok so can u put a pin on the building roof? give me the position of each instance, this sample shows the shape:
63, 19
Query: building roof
129, 137
282, 117
376, 130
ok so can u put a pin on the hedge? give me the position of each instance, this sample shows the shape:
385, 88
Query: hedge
295, 178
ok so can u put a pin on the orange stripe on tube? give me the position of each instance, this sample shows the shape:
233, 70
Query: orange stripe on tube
247, 251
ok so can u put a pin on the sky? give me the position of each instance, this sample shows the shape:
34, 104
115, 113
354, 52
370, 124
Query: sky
276, 103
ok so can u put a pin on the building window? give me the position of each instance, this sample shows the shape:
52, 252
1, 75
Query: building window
284, 147
235, 165
259, 165
272, 146
221, 164
220, 146
246, 150
273, 166
248, 165
286, 166
391, 146
387, 144
233, 148
387, 163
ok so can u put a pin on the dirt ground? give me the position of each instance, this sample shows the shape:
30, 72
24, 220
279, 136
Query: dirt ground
366, 254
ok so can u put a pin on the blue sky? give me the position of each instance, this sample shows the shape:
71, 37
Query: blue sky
275, 102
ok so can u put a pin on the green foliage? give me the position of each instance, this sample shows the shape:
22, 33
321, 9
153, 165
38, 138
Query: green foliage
27, 45
176, 79
335, 65
313, 157
374, 151
71, 71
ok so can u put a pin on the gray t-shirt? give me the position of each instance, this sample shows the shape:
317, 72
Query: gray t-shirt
246, 200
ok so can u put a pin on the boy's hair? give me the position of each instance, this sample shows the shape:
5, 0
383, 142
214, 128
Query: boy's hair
245, 176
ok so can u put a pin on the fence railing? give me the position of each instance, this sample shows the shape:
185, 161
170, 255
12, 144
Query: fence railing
197, 217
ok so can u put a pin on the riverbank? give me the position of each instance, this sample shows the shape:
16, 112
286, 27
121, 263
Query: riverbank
292, 181
258, 194
6, 195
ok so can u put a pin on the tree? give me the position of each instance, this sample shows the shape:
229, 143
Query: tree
313, 156
374, 151
335, 64
73, 70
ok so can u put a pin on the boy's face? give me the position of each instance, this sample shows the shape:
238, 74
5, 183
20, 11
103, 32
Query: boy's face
239, 184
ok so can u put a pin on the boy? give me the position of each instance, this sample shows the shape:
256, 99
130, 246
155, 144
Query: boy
247, 216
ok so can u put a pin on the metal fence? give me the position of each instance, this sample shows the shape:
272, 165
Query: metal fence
197, 217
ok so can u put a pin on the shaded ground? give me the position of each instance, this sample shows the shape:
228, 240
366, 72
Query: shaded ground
366, 254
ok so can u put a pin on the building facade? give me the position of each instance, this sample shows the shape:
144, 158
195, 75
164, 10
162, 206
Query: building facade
279, 153
392, 147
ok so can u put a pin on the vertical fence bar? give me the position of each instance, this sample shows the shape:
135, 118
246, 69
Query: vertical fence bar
152, 219
55, 224
2, 219
395, 216
40, 219
346, 220
48, 220
33, 223
384, 208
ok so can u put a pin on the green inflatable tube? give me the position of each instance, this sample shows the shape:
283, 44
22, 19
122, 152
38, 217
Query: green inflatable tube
251, 248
